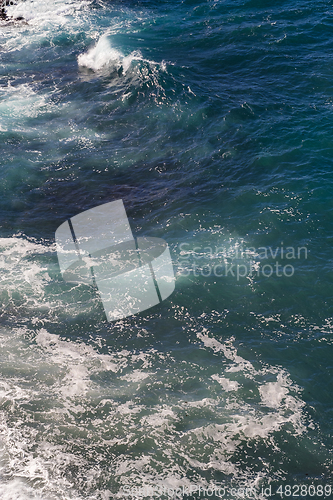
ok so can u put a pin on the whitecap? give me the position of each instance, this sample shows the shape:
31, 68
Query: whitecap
104, 56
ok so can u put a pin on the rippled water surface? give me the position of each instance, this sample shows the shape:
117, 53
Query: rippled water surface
212, 121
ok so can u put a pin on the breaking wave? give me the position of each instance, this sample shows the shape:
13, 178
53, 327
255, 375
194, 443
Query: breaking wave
104, 56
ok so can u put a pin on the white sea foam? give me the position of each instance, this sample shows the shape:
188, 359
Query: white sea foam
59, 396
79, 409
103, 55
18, 490
45, 11
18, 103
227, 384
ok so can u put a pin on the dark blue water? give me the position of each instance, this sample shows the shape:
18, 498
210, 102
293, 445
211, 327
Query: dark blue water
212, 121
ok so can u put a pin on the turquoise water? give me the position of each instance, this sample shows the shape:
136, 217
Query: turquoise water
212, 121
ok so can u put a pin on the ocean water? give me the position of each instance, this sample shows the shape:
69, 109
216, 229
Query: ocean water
212, 120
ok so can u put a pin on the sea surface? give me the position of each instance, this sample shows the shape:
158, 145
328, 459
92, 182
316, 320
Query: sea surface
213, 121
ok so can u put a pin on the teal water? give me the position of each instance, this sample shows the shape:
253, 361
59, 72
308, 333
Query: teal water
212, 121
